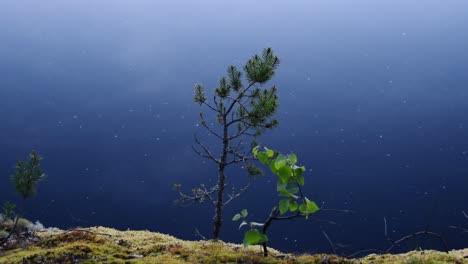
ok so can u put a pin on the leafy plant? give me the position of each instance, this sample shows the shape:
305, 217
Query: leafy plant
289, 185
8, 210
240, 112
27, 175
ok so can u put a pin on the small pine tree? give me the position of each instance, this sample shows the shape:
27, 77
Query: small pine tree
27, 175
241, 112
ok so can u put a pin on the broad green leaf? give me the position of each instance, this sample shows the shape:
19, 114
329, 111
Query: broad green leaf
272, 168
293, 206
303, 208
252, 237
284, 206
262, 157
284, 173
244, 213
293, 190
300, 180
292, 158
270, 153
285, 193
311, 206
264, 238
280, 161
236, 217
280, 185
299, 170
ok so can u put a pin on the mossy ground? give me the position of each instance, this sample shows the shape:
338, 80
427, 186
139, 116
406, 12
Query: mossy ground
105, 245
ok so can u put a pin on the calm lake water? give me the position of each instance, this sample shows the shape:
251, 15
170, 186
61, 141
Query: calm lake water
374, 101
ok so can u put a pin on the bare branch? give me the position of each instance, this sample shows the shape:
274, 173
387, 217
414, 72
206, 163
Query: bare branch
420, 233
203, 122
241, 133
235, 148
197, 233
211, 107
234, 195
206, 150
364, 251
464, 230
329, 241
199, 195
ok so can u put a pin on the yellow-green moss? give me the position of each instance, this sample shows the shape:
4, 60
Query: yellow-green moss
105, 245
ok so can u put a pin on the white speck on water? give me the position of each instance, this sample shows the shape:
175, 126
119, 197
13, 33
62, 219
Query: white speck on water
388, 154
116, 136
157, 139
308, 78
380, 136
75, 117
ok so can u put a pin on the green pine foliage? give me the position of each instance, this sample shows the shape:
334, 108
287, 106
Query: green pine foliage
243, 108
27, 175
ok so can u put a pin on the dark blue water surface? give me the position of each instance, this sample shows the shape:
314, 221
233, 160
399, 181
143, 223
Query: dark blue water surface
373, 94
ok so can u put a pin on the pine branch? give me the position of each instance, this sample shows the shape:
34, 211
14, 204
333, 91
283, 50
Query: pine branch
236, 195
207, 154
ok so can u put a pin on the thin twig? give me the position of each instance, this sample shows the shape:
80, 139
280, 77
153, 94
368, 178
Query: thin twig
420, 233
197, 233
235, 195
329, 241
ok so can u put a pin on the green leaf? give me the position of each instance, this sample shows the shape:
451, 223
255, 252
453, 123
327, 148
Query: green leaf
255, 150
300, 180
292, 158
244, 213
236, 217
263, 239
293, 206
303, 208
299, 170
284, 206
284, 173
280, 161
293, 190
270, 153
272, 168
311, 206
262, 157
281, 186
285, 193
252, 237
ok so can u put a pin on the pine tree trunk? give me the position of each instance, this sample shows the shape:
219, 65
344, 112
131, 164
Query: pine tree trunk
218, 217
218, 220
